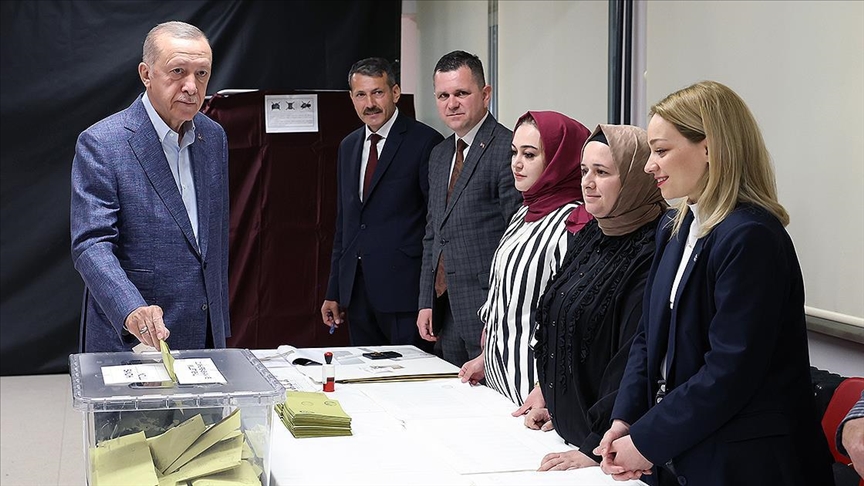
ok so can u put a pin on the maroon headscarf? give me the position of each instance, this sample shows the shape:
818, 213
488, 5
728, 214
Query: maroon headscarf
561, 180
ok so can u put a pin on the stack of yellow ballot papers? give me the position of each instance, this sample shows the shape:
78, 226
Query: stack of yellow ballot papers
189, 453
312, 414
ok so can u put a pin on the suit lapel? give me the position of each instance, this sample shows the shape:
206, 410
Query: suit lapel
475, 153
439, 179
685, 277
350, 190
661, 313
147, 148
198, 153
391, 147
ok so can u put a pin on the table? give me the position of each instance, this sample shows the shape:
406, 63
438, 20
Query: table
434, 432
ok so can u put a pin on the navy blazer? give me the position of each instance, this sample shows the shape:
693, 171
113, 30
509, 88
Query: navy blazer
386, 230
132, 241
739, 409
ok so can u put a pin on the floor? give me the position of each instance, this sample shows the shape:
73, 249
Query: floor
41, 442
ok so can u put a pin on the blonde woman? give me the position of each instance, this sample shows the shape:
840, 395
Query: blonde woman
717, 388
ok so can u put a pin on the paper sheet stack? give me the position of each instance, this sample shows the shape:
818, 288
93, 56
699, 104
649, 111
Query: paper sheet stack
312, 414
189, 453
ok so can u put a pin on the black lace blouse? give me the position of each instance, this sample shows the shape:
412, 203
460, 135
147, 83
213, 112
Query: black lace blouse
585, 324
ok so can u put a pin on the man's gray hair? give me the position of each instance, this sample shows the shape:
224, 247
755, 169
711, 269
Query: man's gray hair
174, 28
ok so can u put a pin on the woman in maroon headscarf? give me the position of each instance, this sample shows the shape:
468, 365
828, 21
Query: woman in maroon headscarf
546, 156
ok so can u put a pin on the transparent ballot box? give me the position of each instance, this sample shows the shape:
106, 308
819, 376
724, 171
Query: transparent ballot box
209, 424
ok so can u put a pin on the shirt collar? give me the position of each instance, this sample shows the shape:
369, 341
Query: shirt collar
469, 137
161, 127
385, 128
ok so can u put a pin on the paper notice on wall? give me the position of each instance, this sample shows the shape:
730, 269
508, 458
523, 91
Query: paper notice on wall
291, 113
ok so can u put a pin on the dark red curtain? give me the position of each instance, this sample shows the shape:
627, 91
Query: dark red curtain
283, 211
66, 65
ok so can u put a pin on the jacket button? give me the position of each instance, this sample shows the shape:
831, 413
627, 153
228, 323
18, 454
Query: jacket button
204, 307
682, 480
204, 265
362, 226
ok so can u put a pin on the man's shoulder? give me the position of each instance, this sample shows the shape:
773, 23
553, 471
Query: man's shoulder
117, 126
354, 136
205, 123
445, 146
496, 128
419, 129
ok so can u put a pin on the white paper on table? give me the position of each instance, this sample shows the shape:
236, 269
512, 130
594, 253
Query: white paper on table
292, 379
498, 444
196, 371
134, 373
589, 476
426, 399
353, 399
358, 460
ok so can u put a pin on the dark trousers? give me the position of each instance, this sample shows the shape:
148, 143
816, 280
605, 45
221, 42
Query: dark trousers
370, 327
451, 345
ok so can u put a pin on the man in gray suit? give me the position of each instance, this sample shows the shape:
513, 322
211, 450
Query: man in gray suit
149, 213
472, 198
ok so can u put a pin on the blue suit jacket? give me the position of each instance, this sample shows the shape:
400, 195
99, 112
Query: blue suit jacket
132, 241
740, 407
386, 230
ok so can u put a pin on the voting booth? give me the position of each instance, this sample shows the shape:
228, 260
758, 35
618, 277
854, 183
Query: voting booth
210, 423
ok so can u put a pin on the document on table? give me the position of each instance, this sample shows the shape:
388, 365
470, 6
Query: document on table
422, 400
372, 370
496, 444
359, 461
588, 476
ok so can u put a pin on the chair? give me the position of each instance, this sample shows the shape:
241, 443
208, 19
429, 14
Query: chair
846, 395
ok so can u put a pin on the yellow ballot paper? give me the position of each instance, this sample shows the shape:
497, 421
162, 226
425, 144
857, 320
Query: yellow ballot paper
168, 446
124, 461
221, 457
217, 432
242, 475
168, 360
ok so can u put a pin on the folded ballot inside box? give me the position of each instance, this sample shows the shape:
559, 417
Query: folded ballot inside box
208, 424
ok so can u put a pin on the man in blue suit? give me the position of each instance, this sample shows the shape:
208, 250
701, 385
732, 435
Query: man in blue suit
149, 213
383, 188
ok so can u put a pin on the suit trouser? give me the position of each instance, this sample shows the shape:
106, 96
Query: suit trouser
454, 347
370, 327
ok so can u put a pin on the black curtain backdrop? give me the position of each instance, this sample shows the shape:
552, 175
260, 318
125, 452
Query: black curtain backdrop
65, 65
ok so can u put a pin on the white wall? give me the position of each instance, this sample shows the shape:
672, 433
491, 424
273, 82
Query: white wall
799, 65
836, 355
551, 55
445, 26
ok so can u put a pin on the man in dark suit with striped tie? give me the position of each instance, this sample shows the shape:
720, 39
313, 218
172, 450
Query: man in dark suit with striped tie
383, 189
472, 198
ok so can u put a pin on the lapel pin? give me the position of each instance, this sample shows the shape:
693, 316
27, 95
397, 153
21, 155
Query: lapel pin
200, 137
482, 145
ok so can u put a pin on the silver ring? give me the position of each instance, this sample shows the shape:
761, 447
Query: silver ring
143, 330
